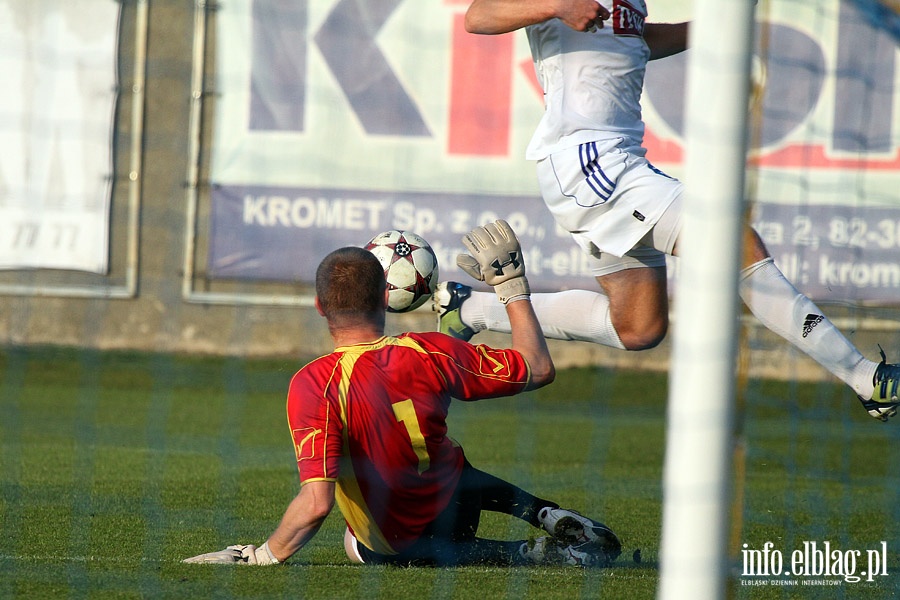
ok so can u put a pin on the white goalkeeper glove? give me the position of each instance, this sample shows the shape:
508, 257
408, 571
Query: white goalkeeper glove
244, 554
495, 258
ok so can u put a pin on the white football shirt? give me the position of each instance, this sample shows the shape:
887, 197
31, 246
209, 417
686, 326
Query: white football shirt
592, 81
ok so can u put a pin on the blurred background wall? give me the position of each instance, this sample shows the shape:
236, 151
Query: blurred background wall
146, 302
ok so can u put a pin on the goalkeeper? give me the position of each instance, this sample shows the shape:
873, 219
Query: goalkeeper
369, 429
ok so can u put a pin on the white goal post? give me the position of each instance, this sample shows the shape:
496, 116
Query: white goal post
699, 440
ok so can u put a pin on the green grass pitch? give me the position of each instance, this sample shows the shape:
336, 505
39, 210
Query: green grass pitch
115, 466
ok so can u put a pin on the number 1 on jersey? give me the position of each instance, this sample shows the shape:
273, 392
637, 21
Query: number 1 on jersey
405, 413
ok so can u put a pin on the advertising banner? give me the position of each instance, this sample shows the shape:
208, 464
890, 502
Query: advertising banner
340, 119
58, 66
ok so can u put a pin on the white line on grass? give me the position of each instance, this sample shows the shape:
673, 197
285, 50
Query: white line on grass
82, 559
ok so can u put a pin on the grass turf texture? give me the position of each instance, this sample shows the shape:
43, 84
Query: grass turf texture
114, 467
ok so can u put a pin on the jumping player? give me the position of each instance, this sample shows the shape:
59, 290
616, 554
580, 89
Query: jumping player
623, 212
368, 423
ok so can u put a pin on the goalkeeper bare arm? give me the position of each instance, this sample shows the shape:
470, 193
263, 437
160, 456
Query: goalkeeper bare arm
303, 518
301, 521
495, 257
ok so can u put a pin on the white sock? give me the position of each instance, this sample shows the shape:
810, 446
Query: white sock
569, 315
781, 308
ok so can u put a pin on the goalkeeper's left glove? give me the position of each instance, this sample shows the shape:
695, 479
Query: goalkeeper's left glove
495, 257
244, 554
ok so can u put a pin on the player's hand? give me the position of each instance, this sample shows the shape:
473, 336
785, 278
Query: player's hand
228, 556
247, 554
583, 15
495, 258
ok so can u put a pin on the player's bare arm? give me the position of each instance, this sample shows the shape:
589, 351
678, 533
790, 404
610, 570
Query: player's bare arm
529, 340
502, 16
302, 519
666, 39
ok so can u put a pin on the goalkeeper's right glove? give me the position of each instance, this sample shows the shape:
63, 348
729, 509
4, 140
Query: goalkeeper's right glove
247, 554
496, 259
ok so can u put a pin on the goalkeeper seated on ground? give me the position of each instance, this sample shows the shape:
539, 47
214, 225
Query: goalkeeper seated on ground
369, 428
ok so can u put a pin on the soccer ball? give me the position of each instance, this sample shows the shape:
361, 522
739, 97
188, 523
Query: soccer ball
410, 268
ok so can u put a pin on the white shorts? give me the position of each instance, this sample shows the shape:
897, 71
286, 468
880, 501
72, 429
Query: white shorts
620, 209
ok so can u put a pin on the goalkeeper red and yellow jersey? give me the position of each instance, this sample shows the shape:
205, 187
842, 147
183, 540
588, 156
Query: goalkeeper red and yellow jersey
372, 417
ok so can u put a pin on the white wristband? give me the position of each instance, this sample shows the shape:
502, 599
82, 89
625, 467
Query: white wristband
512, 289
268, 557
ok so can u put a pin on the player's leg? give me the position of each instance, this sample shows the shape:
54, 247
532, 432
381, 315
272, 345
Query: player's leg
567, 527
497, 495
638, 306
779, 306
784, 310
451, 540
431, 550
545, 550
579, 315
639, 298
437, 546
631, 314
